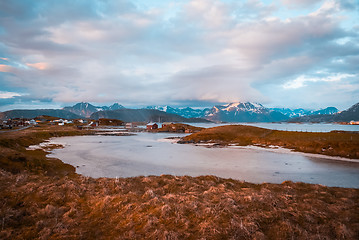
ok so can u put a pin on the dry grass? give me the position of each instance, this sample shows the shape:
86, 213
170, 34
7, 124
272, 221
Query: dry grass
344, 144
15, 158
169, 207
178, 128
37, 205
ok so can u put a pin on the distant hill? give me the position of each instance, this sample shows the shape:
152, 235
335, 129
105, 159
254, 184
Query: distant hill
114, 106
244, 112
350, 114
345, 116
143, 115
59, 113
85, 109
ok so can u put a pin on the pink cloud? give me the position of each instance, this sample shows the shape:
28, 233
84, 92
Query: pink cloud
39, 65
5, 68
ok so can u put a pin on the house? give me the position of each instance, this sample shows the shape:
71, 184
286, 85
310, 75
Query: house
32, 122
165, 124
78, 121
93, 124
151, 126
84, 127
129, 125
47, 119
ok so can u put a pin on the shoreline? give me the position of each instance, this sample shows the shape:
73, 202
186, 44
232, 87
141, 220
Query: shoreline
278, 149
276, 174
335, 143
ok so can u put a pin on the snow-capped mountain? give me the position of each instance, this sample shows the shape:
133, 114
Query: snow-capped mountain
328, 110
351, 114
292, 112
231, 112
299, 112
244, 112
184, 112
114, 106
240, 107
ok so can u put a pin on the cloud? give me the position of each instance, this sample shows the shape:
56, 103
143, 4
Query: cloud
39, 65
341, 94
197, 51
300, 3
8, 94
5, 68
302, 80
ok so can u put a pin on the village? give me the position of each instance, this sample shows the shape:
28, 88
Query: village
87, 124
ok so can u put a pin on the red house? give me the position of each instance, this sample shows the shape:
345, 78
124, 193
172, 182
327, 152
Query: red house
151, 126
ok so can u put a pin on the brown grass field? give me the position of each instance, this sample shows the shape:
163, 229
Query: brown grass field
44, 198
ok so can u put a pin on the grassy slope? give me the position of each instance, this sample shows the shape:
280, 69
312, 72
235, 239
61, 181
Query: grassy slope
36, 203
169, 207
344, 144
15, 158
178, 127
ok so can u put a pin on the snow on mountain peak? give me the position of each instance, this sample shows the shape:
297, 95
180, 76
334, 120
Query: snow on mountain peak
243, 106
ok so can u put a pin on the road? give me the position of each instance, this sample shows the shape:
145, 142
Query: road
14, 130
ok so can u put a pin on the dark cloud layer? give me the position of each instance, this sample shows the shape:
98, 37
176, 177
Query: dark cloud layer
195, 52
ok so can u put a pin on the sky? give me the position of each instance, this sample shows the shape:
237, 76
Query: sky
198, 53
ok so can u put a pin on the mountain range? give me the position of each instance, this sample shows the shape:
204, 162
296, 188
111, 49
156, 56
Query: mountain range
33, 113
85, 109
143, 115
232, 112
299, 112
351, 114
244, 112
184, 112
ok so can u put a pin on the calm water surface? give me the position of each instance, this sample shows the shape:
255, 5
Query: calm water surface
151, 154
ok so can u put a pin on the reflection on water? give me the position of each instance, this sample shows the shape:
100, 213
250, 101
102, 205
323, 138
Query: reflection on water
150, 154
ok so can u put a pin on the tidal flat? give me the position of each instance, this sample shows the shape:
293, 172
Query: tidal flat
145, 154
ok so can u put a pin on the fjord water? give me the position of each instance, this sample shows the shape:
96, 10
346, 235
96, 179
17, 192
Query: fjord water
152, 154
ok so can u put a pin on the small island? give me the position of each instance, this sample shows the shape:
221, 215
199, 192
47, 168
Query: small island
334, 143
